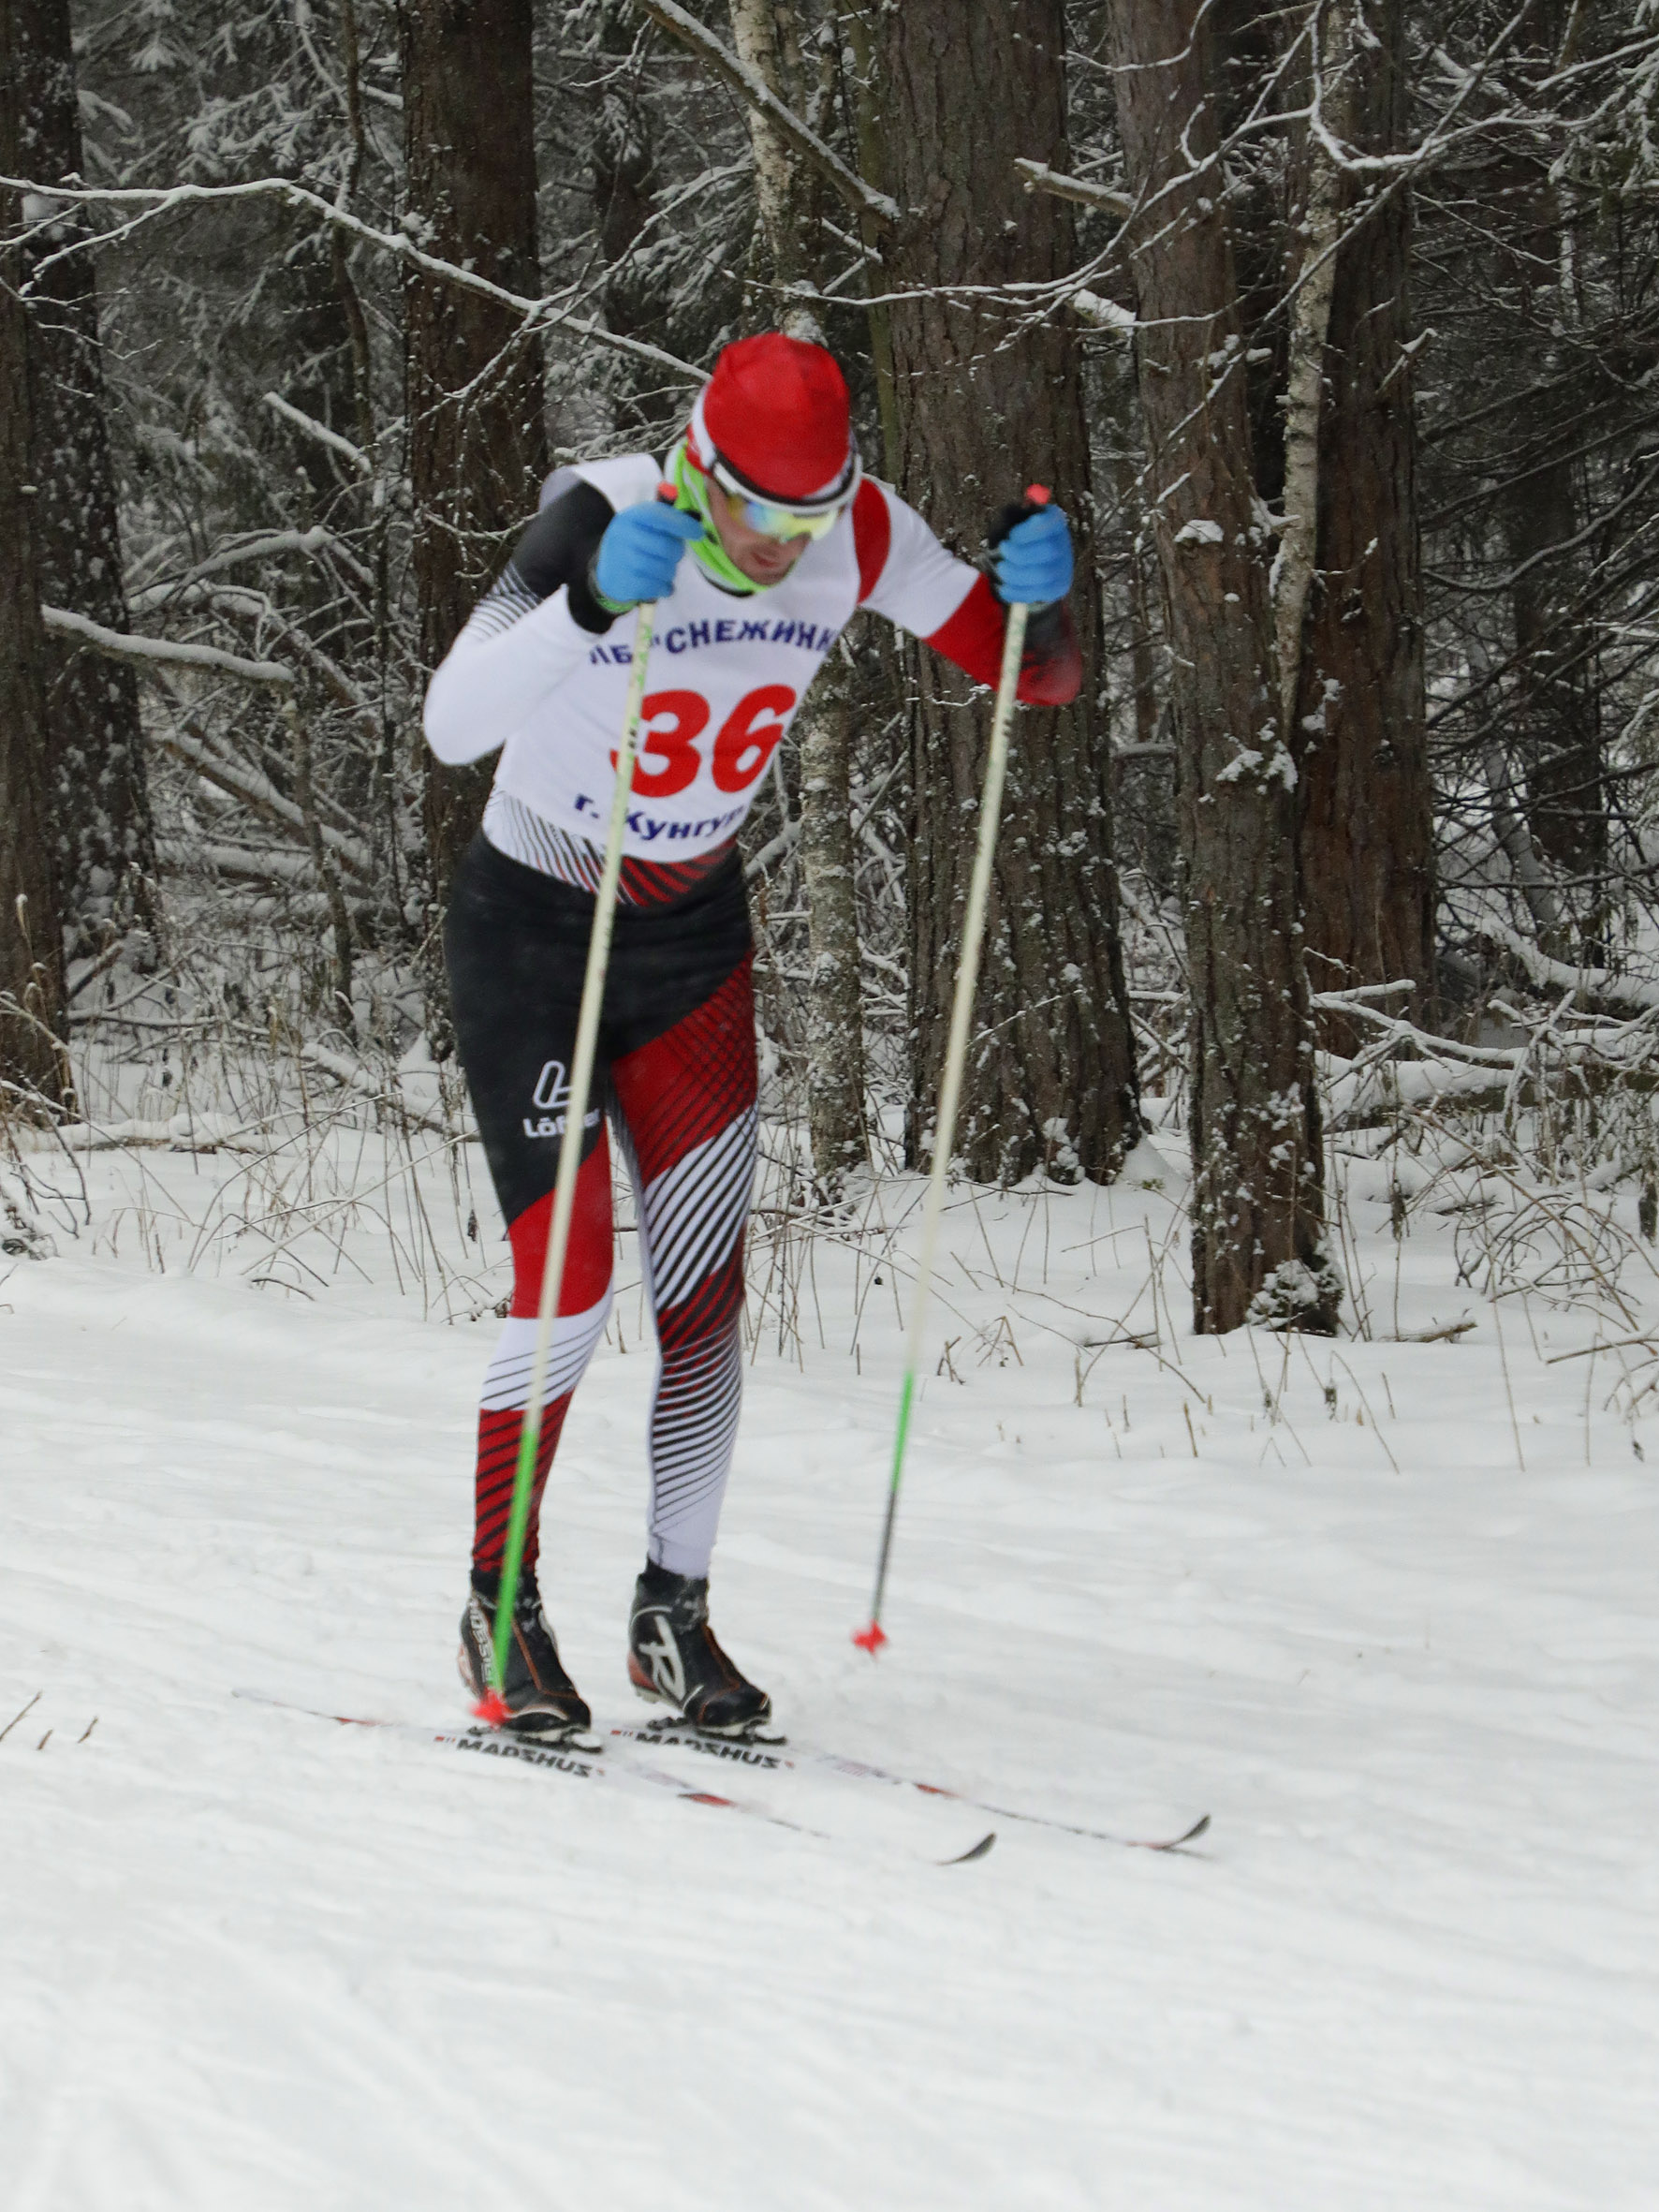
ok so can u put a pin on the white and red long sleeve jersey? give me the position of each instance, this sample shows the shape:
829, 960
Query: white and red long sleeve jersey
541, 671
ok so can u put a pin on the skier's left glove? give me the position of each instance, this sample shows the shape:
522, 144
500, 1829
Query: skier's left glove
1032, 561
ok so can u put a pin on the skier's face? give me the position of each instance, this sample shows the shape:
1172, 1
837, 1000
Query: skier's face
762, 559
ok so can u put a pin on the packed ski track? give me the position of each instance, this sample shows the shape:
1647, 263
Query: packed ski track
1385, 1610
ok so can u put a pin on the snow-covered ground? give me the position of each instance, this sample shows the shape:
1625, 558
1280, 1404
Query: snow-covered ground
1388, 1611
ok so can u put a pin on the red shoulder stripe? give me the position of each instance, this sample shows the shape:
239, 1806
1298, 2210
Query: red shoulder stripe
873, 535
1051, 672
972, 637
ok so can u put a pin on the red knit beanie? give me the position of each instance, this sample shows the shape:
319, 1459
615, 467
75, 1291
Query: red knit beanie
776, 412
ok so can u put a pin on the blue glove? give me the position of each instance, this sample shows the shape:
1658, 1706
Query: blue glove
639, 552
1033, 561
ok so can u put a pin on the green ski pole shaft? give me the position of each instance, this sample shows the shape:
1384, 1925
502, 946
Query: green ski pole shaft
871, 1639
570, 1149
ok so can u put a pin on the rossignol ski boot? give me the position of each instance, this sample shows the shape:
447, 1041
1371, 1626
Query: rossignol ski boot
541, 1700
674, 1660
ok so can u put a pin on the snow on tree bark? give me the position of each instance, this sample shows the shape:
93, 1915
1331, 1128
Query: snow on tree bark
834, 1006
478, 446
1329, 32
31, 921
1051, 1080
1360, 736
97, 788
1256, 1201
766, 38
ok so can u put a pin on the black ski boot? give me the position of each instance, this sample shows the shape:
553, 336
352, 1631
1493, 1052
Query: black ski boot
673, 1658
541, 1700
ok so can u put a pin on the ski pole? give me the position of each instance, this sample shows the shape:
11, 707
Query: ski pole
491, 1706
871, 1639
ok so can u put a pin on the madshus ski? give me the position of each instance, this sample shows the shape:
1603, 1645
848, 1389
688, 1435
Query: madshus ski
762, 1758
608, 1770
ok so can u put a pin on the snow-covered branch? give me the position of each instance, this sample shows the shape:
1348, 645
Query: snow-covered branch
150, 651
1105, 315
1039, 177
262, 795
861, 197
1596, 987
145, 204
321, 431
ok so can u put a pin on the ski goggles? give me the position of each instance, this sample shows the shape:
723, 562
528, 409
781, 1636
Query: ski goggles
774, 518
784, 522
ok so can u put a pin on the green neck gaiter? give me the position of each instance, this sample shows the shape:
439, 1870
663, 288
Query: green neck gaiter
691, 487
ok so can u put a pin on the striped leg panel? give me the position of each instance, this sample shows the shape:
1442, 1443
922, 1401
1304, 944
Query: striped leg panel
688, 1103
501, 1422
586, 1288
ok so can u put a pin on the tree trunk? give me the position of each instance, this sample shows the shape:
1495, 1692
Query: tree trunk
31, 923
624, 169
1257, 1185
1360, 740
478, 446
98, 792
1051, 1081
1558, 723
834, 1006
766, 36
1329, 31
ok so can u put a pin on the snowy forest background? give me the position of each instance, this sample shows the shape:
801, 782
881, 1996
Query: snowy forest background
1323, 957
1336, 328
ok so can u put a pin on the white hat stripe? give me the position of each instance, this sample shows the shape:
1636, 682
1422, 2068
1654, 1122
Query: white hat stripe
705, 454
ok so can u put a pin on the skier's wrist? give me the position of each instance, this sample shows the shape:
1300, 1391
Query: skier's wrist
589, 608
607, 606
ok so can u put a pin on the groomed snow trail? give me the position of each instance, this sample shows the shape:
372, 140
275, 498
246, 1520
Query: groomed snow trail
255, 1963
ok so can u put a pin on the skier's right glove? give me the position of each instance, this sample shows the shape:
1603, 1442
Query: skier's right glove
639, 552
1032, 555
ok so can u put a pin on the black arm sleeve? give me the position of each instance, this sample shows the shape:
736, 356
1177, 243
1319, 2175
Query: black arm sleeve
558, 547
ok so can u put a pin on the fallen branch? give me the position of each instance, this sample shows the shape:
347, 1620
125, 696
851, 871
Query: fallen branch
1588, 1350
261, 794
1594, 985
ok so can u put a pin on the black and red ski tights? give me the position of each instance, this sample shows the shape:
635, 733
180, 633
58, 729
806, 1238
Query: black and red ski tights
675, 1075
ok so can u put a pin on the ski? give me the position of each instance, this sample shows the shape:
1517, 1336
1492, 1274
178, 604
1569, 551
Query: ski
759, 1755
630, 1776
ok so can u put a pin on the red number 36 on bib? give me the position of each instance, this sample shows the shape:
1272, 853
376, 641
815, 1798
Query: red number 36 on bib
671, 721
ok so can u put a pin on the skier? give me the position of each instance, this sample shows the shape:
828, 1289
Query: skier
785, 537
